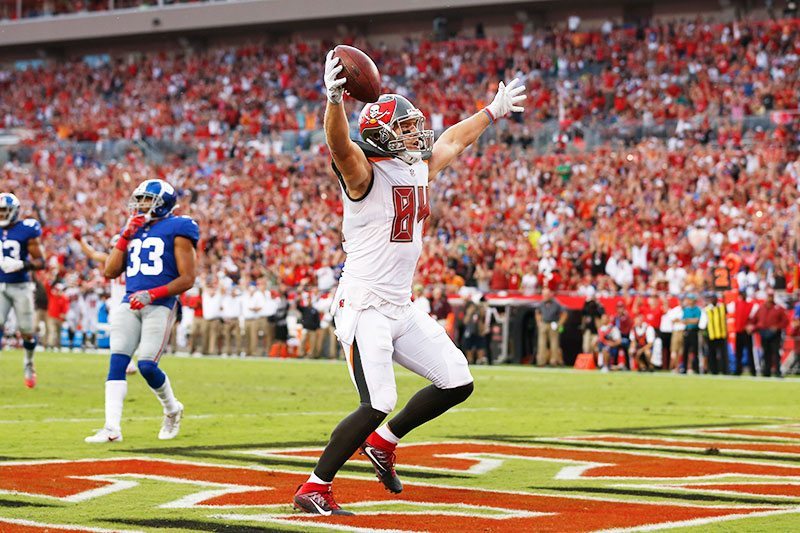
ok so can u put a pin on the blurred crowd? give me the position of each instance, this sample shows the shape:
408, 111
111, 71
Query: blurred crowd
707, 333
692, 72
712, 205
645, 218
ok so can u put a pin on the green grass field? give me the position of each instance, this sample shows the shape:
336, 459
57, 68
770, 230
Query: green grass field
237, 407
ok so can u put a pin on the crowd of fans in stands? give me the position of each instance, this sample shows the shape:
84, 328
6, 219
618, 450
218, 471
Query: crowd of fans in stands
655, 215
692, 72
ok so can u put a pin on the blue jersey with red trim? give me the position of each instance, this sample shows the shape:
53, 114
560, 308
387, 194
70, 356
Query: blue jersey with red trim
151, 255
14, 243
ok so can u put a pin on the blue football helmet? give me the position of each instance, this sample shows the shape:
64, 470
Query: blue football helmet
153, 198
9, 209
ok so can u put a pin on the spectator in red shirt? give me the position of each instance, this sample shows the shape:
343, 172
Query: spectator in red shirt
624, 324
771, 321
57, 307
440, 307
744, 310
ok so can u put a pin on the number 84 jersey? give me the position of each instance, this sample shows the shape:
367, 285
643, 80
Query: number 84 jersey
151, 255
382, 232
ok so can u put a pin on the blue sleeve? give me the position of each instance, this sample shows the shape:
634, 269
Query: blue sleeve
188, 228
33, 227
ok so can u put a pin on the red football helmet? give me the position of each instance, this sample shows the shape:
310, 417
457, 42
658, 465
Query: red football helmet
394, 125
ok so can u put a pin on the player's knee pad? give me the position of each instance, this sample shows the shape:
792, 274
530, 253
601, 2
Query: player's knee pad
116, 367
153, 375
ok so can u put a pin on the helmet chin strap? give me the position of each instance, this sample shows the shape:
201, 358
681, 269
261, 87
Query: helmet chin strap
410, 156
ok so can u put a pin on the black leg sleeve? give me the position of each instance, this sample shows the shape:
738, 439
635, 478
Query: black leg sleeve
346, 438
426, 405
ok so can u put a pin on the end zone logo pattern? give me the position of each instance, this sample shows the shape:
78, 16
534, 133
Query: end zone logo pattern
259, 495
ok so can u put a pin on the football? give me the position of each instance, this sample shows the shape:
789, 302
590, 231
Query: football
363, 78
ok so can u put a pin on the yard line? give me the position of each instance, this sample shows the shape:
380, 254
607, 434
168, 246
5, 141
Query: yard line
25, 406
196, 417
228, 415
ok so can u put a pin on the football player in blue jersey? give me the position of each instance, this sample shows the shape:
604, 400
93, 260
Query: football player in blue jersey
156, 251
20, 252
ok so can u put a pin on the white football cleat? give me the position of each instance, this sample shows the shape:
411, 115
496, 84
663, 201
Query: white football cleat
104, 435
171, 425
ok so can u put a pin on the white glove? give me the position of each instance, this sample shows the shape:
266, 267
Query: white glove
506, 99
9, 265
334, 86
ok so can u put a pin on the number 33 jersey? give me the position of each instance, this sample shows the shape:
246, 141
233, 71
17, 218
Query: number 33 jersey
151, 255
382, 232
14, 243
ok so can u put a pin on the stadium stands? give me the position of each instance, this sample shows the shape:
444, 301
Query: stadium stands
647, 157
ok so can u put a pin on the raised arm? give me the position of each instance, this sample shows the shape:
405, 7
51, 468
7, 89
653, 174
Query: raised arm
88, 250
118, 258
458, 137
349, 159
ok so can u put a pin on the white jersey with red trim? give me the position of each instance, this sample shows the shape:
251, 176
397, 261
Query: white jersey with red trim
382, 232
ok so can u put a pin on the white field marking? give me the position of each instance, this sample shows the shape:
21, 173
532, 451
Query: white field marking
702, 521
568, 473
727, 446
196, 417
426, 509
765, 418
186, 502
693, 488
25, 406
115, 485
484, 461
313, 522
262, 468
43, 525
723, 432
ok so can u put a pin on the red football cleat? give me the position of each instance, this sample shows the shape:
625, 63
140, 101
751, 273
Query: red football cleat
380, 453
317, 499
30, 377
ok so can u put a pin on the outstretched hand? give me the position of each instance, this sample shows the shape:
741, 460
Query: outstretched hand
508, 99
333, 85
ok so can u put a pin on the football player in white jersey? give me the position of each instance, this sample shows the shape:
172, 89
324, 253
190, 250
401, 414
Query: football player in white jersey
384, 180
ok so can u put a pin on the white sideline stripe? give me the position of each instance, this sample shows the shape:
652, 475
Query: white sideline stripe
77, 527
702, 521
